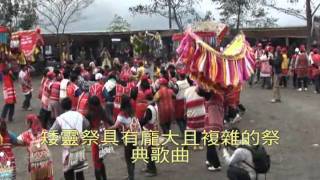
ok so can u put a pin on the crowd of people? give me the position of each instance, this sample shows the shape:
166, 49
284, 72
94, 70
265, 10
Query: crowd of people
83, 96
274, 67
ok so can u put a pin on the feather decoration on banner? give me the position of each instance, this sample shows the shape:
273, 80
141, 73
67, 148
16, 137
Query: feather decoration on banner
215, 70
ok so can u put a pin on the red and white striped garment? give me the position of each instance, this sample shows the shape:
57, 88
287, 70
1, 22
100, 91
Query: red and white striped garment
195, 108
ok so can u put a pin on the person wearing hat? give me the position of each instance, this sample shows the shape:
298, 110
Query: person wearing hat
292, 67
164, 98
40, 162
316, 69
97, 87
9, 95
301, 67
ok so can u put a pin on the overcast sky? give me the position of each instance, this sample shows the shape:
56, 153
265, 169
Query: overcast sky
98, 16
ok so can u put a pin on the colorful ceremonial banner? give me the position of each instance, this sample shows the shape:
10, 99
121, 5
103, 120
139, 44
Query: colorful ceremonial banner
28, 41
215, 70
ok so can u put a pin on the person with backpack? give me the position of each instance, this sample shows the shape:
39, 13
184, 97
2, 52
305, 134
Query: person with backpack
73, 157
126, 121
40, 162
276, 64
246, 161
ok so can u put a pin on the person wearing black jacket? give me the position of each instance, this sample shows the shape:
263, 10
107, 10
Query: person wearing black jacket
276, 64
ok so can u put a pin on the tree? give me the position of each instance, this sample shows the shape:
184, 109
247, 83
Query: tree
56, 15
181, 11
119, 24
18, 14
238, 13
308, 14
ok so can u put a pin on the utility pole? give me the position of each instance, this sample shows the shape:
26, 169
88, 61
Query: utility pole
170, 22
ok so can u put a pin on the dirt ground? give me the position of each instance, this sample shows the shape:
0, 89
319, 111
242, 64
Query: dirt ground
295, 158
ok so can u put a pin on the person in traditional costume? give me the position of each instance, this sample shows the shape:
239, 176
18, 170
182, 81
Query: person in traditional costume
140, 100
9, 95
106, 57
180, 102
150, 122
165, 101
140, 70
54, 97
40, 162
73, 157
276, 64
120, 89
301, 67
26, 86
195, 112
213, 122
284, 68
98, 122
45, 114
265, 69
109, 92
258, 53
292, 67
73, 91
316, 69
125, 122
7, 159
97, 87
82, 106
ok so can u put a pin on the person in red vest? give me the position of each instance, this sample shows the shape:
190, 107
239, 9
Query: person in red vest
45, 98
292, 67
316, 69
7, 140
54, 97
9, 94
120, 90
73, 91
164, 98
26, 86
82, 106
301, 67
97, 87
